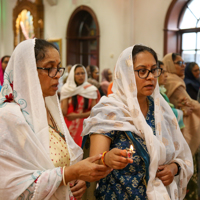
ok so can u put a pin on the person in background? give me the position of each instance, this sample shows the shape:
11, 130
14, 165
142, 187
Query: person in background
177, 94
88, 71
66, 74
77, 99
94, 77
109, 91
63, 80
105, 80
162, 81
136, 114
38, 158
191, 79
3, 65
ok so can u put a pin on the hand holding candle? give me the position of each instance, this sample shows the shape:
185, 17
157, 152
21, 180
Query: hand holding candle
130, 152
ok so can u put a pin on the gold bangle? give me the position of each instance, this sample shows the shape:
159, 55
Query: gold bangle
64, 176
103, 158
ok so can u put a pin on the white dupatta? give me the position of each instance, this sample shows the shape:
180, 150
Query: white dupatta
70, 88
121, 111
24, 134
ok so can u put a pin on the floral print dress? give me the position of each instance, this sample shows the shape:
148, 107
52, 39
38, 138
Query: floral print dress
130, 182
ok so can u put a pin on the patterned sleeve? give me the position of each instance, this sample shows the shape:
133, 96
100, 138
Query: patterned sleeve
44, 185
110, 135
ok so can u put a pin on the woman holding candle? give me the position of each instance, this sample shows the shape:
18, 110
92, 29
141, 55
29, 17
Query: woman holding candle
136, 114
38, 158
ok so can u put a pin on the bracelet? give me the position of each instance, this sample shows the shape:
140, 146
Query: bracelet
103, 158
179, 169
64, 176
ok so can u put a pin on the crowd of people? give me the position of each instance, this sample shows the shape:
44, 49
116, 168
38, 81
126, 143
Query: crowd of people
138, 128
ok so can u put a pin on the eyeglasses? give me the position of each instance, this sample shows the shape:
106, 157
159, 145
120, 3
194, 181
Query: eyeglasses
144, 73
80, 73
52, 72
180, 63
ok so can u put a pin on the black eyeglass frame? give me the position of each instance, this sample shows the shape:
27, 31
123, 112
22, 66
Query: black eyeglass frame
48, 69
149, 72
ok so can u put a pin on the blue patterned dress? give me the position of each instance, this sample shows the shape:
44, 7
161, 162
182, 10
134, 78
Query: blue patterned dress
130, 182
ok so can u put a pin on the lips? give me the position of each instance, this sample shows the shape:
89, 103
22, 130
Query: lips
55, 86
149, 87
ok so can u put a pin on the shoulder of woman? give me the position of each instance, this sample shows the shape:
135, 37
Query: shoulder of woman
11, 112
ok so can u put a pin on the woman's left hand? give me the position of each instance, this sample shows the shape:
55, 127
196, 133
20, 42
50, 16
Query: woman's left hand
166, 173
78, 188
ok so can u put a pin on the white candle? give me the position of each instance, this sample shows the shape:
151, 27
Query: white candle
130, 152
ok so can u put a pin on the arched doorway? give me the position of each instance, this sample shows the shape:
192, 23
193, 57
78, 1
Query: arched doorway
83, 37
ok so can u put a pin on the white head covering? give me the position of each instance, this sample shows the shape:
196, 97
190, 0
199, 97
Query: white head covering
70, 88
24, 134
121, 111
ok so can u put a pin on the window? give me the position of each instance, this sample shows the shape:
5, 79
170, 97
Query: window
28, 20
190, 32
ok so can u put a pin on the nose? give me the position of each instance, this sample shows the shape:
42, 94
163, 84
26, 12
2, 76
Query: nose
58, 75
150, 76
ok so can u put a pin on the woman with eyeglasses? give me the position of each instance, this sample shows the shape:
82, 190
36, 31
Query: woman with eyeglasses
160, 164
77, 99
3, 64
177, 94
38, 158
162, 82
191, 79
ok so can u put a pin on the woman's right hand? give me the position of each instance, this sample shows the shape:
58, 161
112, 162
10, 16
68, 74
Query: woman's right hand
89, 171
117, 159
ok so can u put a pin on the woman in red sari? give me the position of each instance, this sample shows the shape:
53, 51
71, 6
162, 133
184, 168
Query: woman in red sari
77, 99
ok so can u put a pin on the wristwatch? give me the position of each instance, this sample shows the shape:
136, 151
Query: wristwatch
179, 169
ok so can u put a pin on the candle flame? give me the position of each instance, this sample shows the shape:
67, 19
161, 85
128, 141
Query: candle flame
131, 147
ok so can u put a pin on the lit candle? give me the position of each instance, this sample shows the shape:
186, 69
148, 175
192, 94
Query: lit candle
130, 152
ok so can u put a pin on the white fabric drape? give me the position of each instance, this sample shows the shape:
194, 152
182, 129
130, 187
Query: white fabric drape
121, 111
70, 88
24, 135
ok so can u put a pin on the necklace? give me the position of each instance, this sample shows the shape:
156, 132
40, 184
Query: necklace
52, 120
54, 127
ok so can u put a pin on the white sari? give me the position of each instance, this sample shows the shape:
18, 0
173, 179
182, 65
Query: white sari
24, 134
121, 111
